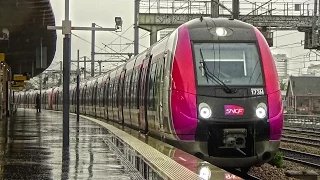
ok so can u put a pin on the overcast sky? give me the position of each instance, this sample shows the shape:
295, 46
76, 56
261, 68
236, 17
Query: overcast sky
102, 12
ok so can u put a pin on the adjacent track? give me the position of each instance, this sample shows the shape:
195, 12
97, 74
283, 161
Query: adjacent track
301, 140
313, 132
308, 159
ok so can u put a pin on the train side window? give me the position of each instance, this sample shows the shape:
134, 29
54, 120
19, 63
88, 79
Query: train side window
138, 86
152, 86
135, 93
103, 94
107, 95
85, 96
124, 90
91, 95
120, 90
99, 96
72, 97
111, 93
81, 97
132, 88
129, 89
155, 86
94, 94
115, 89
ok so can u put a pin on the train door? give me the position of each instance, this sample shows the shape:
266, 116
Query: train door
120, 97
143, 121
160, 93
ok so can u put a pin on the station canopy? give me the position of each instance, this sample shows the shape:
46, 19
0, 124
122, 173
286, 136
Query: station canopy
23, 31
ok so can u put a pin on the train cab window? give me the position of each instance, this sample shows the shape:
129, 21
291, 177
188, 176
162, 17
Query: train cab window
232, 63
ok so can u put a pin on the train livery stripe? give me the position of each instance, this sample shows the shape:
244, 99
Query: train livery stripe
183, 95
275, 106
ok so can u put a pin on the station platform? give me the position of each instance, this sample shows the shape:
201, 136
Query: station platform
31, 148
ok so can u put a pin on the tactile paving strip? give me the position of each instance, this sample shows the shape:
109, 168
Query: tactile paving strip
168, 167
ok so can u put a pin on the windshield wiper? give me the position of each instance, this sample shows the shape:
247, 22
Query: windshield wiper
209, 74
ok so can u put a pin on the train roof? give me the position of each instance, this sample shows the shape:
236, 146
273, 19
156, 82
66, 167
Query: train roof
204, 29
217, 22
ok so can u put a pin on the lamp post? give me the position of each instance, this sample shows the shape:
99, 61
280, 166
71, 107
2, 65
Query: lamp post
66, 30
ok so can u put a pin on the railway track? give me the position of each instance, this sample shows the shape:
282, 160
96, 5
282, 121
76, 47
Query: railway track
306, 133
301, 140
314, 132
308, 159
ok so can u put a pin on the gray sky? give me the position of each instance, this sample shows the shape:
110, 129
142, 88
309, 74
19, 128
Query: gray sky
102, 12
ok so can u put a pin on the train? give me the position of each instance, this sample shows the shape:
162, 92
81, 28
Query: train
209, 88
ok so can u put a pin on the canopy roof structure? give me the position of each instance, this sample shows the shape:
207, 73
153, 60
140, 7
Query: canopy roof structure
26, 21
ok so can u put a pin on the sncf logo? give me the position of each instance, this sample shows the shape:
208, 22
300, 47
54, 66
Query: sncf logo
230, 110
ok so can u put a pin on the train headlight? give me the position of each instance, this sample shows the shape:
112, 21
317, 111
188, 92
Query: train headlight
221, 31
261, 110
205, 110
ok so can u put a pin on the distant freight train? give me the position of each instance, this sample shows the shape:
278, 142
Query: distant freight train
209, 88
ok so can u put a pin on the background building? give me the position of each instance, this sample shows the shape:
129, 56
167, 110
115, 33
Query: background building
281, 62
303, 95
314, 70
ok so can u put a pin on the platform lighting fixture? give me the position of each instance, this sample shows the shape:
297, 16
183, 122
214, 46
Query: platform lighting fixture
118, 21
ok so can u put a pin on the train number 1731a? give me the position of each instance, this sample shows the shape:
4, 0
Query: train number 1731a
257, 91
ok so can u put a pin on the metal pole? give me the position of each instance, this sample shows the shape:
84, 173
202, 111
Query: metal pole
314, 24
85, 67
136, 28
214, 8
78, 88
40, 74
66, 80
235, 9
93, 39
40, 79
99, 67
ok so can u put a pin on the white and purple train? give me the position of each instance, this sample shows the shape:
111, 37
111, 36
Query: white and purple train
209, 88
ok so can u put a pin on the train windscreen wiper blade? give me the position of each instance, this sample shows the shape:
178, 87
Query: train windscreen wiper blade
209, 74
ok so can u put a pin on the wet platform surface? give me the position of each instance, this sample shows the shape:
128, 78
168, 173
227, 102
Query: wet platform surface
31, 148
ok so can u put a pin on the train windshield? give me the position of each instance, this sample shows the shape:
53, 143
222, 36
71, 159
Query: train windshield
228, 64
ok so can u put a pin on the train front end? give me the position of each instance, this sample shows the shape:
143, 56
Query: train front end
229, 111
